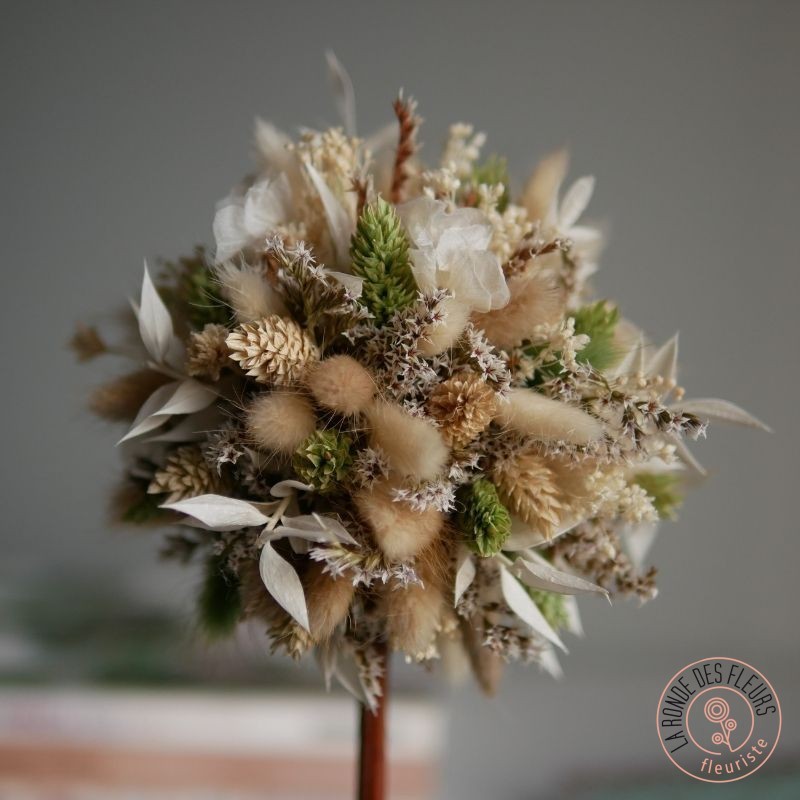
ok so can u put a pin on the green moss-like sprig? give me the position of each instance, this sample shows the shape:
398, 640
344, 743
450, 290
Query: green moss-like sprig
379, 249
483, 518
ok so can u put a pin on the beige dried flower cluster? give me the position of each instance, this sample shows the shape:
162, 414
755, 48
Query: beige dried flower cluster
391, 412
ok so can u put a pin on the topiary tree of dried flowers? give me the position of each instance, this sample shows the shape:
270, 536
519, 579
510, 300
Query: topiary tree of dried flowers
387, 416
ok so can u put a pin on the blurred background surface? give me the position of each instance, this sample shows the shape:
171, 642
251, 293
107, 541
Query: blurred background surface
123, 123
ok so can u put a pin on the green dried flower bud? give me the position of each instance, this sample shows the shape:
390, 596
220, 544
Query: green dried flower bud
323, 459
379, 249
483, 517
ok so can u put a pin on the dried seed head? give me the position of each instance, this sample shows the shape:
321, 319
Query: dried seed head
186, 474
273, 350
207, 353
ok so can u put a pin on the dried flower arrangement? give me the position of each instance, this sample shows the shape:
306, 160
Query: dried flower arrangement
386, 412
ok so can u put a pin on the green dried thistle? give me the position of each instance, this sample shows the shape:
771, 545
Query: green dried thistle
483, 517
323, 459
379, 249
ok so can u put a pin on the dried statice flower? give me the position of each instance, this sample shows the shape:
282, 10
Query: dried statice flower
363, 568
440, 495
369, 466
224, 446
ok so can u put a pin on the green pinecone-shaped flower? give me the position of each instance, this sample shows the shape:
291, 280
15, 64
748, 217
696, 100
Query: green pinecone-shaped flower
483, 517
323, 459
379, 250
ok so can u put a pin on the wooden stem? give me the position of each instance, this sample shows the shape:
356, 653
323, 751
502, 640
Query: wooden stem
372, 757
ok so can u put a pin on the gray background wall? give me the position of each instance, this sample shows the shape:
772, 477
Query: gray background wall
123, 123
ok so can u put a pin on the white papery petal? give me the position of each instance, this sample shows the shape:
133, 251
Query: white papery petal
229, 231
423, 266
455, 239
416, 216
576, 198
266, 205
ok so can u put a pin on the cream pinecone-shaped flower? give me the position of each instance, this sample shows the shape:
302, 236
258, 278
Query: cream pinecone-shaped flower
207, 352
274, 350
529, 487
186, 474
464, 405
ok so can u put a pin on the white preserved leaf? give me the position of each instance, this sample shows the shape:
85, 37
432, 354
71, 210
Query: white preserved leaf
155, 322
632, 362
574, 624
283, 584
178, 397
576, 198
465, 573
523, 536
220, 513
314, 528
686, 455
150, 417
520, 602
538, 573
664, 361
189, 396
327, 655
548, 661
638, 541
339, 222
721, 410
192, 428
349, 676
288, 487
343, 90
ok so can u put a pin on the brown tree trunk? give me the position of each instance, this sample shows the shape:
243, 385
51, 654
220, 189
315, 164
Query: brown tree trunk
372, 757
